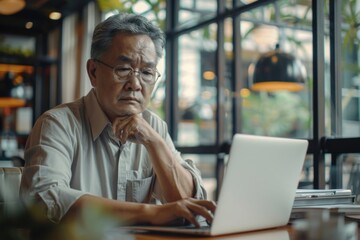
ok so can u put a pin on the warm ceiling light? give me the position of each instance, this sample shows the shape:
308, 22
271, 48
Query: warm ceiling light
8, 7
209, 75
276, 71
29, 25
55, 15
244, 92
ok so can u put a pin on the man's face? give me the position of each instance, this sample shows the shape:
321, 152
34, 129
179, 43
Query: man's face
130, 95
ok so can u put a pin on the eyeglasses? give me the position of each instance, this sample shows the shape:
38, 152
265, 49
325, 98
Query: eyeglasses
122, 72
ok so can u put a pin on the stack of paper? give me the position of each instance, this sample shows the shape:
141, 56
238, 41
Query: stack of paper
314, 197
334, 200
351, 209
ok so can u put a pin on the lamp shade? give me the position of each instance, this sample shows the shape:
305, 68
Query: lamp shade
277, 70
8, 7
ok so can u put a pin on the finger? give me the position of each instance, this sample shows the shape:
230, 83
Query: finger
121, 130
120, 123
125, 134
182, 210
118, 131
210, 205
202, 211
122, 137
190, 217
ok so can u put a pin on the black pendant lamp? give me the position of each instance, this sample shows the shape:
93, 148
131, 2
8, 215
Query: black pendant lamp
277, 71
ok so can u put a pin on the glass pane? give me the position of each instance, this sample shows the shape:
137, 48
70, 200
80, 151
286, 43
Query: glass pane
350, 70
192, 12
351, 172
158, 94
239, 3
277, 112
307, 175
327, 76
197, 87
229, 88
228, 4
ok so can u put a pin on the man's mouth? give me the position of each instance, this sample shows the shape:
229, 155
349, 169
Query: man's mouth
129, 99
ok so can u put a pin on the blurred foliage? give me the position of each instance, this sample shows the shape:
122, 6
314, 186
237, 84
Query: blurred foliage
275, 114
149, 8
351, 18
28, 223
350, 33
7, 49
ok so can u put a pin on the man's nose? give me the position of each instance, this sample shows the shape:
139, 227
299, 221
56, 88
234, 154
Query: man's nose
134, 81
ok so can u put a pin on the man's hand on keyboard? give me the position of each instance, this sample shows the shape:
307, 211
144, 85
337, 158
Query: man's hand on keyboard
187, 208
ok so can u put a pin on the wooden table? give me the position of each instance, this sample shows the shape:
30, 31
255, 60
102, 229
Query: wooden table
282, 233
288, 232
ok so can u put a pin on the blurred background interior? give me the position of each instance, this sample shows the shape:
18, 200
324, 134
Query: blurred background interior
287, 68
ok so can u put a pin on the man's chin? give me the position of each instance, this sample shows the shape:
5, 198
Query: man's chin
129, 112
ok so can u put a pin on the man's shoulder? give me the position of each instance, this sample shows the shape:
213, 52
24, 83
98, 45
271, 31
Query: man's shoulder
65, 110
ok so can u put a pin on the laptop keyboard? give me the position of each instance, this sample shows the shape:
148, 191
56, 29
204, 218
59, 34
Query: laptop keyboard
193, 227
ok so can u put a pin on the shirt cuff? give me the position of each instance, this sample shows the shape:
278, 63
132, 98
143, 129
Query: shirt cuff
58, 201
200, 192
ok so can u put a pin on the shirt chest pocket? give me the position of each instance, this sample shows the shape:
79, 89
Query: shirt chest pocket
139, 185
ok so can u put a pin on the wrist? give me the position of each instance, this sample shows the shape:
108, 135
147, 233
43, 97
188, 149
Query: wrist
154, 143
148, 213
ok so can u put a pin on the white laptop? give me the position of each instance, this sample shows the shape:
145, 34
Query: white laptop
258, 188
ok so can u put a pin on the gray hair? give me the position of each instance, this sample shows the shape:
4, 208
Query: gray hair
128, 23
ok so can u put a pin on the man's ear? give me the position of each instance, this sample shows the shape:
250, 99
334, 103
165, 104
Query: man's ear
91, 70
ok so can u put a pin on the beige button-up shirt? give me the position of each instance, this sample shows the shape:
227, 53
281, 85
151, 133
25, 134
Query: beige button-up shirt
73, 151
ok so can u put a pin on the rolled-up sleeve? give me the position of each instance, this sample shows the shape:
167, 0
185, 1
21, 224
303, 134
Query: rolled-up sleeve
47, 172
200, 192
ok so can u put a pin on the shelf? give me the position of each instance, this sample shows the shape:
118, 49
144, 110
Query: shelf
8, 102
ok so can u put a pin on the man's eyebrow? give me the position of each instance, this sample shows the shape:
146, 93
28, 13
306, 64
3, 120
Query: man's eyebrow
130, 60
125, 59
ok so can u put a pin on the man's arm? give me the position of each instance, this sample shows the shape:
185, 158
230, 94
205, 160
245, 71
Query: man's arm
175, 181
129, 213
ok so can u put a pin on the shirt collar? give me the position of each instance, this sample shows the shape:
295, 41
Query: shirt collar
98, 119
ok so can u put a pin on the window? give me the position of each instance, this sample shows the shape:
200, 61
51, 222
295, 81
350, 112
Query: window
244, 31
197, 87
